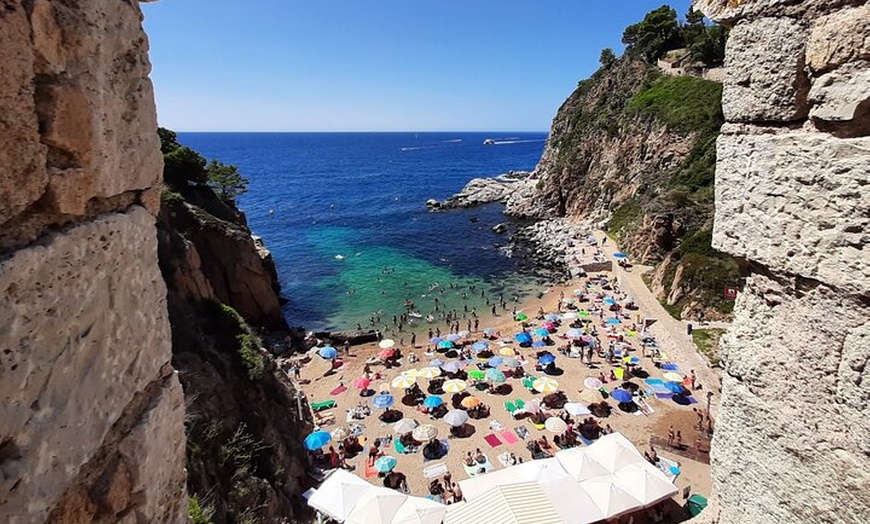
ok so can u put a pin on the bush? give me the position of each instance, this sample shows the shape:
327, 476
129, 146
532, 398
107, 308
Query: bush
246, 342
199, 513
684, 103
624, 220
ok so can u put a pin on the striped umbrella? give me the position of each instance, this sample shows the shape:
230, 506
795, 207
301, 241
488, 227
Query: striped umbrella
340, 433
507, 351
429, 372
385, 463
405, 426
382, 401
424, 433
555, 425
454, 386
403, 381
545, 385
413, 373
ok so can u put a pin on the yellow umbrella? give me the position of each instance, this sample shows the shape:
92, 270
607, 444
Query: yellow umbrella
453, 386
429, 372
413, 373
545, 385
470, 402
506, 351
403, 381
619, 372
674, 377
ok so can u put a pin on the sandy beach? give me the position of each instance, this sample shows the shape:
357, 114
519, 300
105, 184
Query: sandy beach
640, 428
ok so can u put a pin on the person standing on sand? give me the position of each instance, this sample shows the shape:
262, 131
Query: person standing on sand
671, 435
694, 381
413, 339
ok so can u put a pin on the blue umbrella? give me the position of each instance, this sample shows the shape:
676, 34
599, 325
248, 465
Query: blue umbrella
433, 402
480, 346
451, 367
541, 332
620, 395
317, 440
437, 363
385, 463
495, 375
674, 387
382, 401
445, 344
539, 344
620, 255
328, 352
609, 301
494, 362
546, 358
452, 337
523, 338
435, 340
613, 320
552, 317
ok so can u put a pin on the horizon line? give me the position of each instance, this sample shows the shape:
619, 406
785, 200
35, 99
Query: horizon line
358, 131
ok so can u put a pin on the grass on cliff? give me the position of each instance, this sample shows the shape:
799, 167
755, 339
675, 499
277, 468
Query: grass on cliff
246, 342
624, 220
707, 342
684, 103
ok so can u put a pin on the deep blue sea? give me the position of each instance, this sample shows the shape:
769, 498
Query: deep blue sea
344, 217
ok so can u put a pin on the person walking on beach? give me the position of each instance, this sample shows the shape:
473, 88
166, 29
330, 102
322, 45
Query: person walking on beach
671, 435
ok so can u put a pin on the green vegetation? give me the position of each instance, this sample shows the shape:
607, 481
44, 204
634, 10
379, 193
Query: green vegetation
660, 32
625, 220
246, 342
707, 342
199, 513
684, 103
183, 166
607, 58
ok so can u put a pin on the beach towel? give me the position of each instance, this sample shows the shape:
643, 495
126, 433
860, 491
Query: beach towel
370, 471
670, 468
586, 441
476, 469
509, 436
670, 367
496, 426
505, 459
338, 390
492, 440
522, 432
435, 470
664, 395
653, 381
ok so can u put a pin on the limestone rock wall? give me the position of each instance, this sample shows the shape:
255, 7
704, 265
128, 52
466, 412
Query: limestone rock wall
792, 442
91, 413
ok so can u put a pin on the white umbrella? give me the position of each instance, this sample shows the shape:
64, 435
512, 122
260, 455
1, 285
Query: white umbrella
610, 498
403, 381
569, 315
425, 432
556, 425
575, 409
376, 506
417, 510
545, 385
645, 483
340, 433
533, 406
406, 425
429, 372
386, 343
456, 418
338, 494
614, 451
413, 373
454, 385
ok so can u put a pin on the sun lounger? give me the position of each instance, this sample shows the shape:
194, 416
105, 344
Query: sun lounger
510, 407
519, 403
320, 406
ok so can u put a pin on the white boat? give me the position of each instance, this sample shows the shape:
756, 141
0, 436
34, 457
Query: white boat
489, 142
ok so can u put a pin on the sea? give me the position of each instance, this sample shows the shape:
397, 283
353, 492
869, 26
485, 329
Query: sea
345, 219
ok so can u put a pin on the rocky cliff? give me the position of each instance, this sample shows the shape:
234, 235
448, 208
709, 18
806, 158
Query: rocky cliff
635, 150
91, 413
792, 442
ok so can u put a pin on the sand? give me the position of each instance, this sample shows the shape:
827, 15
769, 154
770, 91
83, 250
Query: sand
637, 428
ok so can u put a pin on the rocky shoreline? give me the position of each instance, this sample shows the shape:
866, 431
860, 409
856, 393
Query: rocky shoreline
483, 191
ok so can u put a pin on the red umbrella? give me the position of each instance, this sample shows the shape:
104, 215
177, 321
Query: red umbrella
386, 353
362, 383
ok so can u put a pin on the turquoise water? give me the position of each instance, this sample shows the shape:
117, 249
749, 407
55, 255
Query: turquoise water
343, 215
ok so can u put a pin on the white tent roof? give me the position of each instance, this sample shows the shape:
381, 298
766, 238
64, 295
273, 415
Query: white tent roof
531, 471
417, 510
572, 503
614, 452
338, 494
609, 496
520, 503
649, 485
579, 464
376, 506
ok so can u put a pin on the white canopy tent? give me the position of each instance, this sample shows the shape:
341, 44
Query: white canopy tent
416, 510
517, 503
531, 471
376, 506
338, 494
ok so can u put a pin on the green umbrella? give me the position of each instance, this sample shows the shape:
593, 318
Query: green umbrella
521, 317
476, 373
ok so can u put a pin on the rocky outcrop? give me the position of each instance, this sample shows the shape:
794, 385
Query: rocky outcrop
91, 414
791, 201
486, 190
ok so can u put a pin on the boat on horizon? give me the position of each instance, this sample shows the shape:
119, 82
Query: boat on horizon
489, 142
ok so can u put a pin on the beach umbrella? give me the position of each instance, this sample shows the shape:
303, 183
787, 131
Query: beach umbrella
545, 385
470, 402
541, 332
619, 372
476, 374
556, 425
621, 395
533, 406
523, 338
539, 344
620, 255
413, 373
569, 315
552, 317
609, 301
592, 383
490, 332
377, 505
494, 361
433, 401
549, 326
424, 433
317, 440
435, 340
451, 367
674, 387
403, 382
613, 321
672, 376
574, 333
507, 351
362, 383
575, 409
429, 372
455, 418
417, 510
386, 353
454, 386
382, 401
546, 358
495, 376
340, 433
385, 463
452, 337
328, 352
445, 344
521, 316
406, 425
510, 362
479, 346
436, 363
386, 343
583, 313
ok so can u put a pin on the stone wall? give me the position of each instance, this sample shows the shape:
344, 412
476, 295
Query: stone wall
91, 414
792, 442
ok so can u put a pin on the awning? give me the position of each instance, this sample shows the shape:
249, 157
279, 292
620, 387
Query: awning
522, 503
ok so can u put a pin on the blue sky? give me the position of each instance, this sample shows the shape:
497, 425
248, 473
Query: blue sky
377, 65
